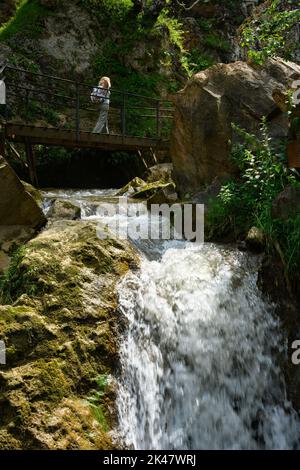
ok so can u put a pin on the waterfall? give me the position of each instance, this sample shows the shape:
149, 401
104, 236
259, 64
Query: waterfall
199, 358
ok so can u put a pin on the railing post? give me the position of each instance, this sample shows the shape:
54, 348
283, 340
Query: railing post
27, 104
77, 117
30, 157
3, 102
124, 115
158, 119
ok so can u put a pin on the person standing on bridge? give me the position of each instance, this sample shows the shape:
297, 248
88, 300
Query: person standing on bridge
101, 95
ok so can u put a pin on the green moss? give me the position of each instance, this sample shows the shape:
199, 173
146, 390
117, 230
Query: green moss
8, 442
116, 10
53, 379
27, 20
16, 279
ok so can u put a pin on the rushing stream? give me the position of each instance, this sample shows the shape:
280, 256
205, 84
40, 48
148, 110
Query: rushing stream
199, 359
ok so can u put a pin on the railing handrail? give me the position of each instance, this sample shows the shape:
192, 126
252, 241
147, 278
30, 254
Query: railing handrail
79, 83
159, 110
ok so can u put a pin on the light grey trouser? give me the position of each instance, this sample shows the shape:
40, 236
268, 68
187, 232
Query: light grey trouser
102, 120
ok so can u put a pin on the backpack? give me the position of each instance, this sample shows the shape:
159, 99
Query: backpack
97, 95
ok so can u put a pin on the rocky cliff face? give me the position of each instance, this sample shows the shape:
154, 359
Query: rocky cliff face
60, 324
158, 43
223, 94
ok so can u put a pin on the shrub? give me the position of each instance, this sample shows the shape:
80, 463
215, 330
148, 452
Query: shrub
267, 34
247, 200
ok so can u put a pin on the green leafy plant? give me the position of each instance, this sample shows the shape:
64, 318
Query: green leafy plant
199, 60
267, 34
95, 401
263, 174
247, 200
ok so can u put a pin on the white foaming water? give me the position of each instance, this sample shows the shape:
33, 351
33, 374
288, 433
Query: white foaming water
199, 359
198, 364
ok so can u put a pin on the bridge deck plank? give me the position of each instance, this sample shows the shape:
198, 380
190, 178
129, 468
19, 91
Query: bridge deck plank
70, 138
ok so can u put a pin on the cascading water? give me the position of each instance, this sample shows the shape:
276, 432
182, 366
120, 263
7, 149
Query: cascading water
198, 363
198, 370
199, 359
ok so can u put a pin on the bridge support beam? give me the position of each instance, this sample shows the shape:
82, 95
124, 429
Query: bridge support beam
30, 157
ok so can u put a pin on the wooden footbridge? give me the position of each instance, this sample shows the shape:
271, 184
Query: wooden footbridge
38, 109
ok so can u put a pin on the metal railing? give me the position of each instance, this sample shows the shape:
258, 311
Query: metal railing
41, 100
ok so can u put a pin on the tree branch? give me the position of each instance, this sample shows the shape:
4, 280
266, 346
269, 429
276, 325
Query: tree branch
188, 8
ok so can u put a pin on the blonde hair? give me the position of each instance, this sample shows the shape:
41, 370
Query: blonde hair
105, 79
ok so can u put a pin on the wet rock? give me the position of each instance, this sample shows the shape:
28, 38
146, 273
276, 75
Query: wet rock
160, 172
151, 189
155, 192
278, 287
130, 188
287, 203
61, 329
62, 209
256, 240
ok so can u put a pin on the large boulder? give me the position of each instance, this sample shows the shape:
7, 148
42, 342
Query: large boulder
61, 329
212, 100
17, 206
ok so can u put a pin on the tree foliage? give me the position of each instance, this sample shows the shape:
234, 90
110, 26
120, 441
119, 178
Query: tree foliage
270, 31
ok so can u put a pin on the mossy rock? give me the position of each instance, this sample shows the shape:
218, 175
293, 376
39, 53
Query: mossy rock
62, 209
151, 189
34, 192
60, 327
132, 187
256, 240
